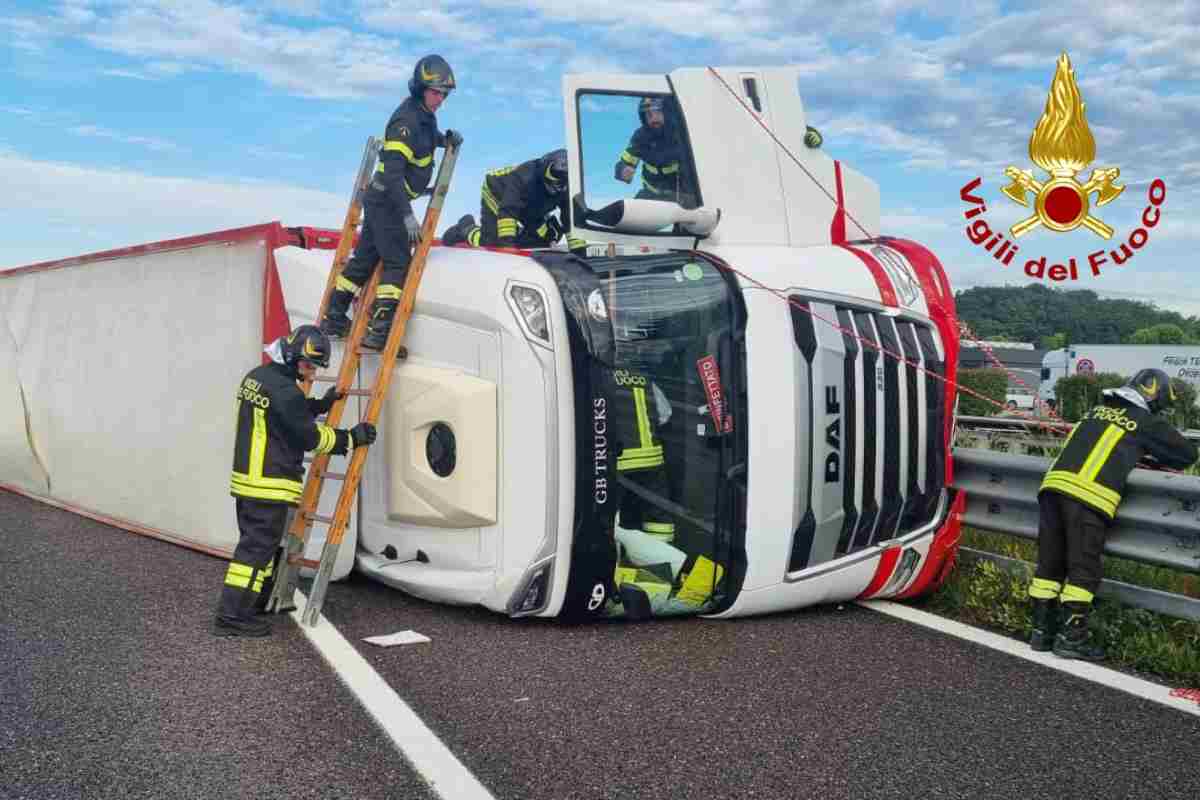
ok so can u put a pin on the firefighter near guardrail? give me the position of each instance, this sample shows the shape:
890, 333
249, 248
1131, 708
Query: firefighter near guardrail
1078, 500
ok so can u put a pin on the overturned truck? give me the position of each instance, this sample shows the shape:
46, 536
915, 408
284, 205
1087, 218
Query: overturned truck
739, 402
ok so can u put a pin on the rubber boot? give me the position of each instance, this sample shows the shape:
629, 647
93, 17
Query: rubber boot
336, 324
457, 233
380, 324
235, 616
1074, 639
1045, 625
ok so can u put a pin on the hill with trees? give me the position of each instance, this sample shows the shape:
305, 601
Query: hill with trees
1050, 318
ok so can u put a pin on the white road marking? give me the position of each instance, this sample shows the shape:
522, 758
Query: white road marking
435, 763
1080, 669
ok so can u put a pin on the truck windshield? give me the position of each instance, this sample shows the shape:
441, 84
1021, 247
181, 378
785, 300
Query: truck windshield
660, 379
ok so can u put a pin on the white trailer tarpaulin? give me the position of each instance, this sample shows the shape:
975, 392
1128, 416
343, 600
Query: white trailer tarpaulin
119, 371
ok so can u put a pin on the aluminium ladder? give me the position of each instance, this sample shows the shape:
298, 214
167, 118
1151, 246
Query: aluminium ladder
292, 557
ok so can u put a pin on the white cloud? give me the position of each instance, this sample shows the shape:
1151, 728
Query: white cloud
98, 132
131, 207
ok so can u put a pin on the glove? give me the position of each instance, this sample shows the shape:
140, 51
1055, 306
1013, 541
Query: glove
362, 434
413, 228
328, 399
624, 172
453, 139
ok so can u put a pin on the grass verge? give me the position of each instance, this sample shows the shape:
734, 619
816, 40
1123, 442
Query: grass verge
982, 594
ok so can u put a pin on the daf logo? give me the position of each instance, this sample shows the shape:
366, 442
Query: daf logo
908, 288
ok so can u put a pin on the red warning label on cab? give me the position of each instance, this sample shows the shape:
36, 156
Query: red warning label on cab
710, 376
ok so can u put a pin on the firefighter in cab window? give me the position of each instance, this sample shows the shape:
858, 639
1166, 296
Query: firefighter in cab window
390, 228
1079, 497
517, 207
656, 146
276, 425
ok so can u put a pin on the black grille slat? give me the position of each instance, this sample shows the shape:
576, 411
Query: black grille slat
935, 457
891, 500
849, 431
870, 358
913, 478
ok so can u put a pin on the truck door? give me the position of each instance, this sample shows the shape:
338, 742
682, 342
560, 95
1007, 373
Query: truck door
606, 132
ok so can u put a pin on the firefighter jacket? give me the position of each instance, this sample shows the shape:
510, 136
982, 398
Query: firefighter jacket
1106, 445
660, 157
639, 410
519, 199
406, 160
276, 424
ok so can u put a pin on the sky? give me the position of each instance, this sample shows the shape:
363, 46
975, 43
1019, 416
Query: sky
130, 121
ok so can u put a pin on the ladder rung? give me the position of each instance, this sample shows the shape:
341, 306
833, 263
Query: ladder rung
319, 518
337, 476
359, 392
325, 378
304, 562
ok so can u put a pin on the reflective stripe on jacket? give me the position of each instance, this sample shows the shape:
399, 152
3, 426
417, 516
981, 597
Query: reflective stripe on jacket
406, 160
659, 156
276, 425
1105, 446
519, 199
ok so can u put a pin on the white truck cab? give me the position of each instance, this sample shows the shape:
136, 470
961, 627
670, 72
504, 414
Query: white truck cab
736, 403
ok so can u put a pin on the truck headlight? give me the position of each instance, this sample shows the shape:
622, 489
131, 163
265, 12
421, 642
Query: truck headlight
529, 306
534, 590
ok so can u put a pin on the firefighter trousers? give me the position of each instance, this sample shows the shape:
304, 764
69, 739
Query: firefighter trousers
1070, 542
383, 237
638, 514
489, 237
249, 575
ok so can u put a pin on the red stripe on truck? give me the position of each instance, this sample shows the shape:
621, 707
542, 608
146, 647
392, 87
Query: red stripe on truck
837, 227
887, 293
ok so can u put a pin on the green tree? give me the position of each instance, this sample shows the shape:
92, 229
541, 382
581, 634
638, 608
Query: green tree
1032, 312
1077, 394
1055, 341
991, 383
1163, 333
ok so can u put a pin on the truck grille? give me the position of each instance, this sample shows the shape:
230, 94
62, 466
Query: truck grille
874, 424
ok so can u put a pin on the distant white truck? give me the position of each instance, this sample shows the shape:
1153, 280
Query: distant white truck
1178, 361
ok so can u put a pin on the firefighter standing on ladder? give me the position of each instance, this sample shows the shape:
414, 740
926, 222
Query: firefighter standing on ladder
276, 425
390, 229
1079, 498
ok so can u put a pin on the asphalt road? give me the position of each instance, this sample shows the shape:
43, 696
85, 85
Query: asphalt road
112, 686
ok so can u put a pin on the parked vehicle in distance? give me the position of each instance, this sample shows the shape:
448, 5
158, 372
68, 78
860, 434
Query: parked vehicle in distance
1178, 361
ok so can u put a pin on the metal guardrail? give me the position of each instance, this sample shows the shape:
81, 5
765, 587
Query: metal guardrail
1042, 426
1157, 523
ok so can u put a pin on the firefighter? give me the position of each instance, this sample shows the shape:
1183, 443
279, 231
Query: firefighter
657, 148
276, 424
390, 229
517, 207
1078, 499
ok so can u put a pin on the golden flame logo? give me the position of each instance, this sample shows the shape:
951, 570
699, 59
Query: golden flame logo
1062, 145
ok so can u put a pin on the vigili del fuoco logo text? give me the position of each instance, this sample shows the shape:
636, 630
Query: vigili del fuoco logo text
1063, 146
